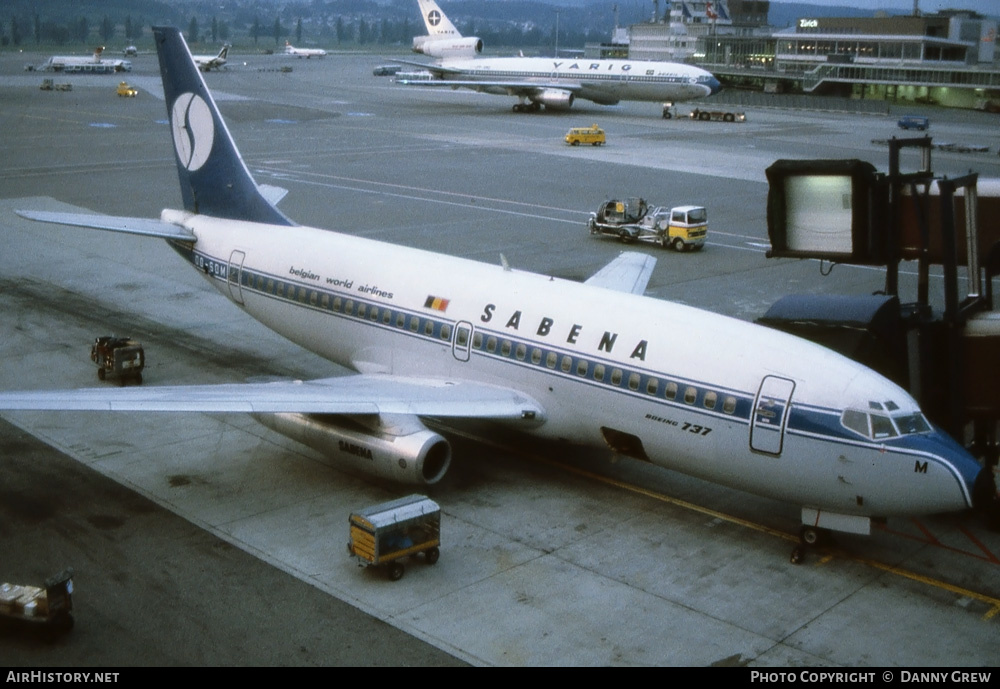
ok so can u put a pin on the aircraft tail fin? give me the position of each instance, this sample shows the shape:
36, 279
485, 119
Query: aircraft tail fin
435, 20
214, 179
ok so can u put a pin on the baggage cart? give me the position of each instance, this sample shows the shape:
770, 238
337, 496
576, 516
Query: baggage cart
384, 534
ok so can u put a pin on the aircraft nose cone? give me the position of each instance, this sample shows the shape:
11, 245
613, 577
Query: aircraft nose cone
714, 85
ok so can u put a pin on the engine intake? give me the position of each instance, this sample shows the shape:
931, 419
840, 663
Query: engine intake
554, 99
410, 453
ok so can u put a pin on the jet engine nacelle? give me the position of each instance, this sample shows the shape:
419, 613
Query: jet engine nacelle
410, 454
448, 47
554, 99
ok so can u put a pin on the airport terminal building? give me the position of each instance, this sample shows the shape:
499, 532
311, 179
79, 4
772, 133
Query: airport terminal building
948, 58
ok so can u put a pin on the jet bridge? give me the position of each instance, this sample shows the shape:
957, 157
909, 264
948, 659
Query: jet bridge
844, 211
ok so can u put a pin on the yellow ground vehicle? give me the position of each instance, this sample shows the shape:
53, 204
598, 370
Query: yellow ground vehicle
384, 534
126, 91
633, 220
592, 135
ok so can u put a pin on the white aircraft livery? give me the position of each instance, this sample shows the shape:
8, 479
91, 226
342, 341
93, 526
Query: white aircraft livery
552, 82
443, 39
436, 337
207, 63
303, 52
86, 65
557, 82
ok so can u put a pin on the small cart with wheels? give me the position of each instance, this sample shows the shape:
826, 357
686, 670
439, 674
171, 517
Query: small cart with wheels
382, 535
118, 357
49, 608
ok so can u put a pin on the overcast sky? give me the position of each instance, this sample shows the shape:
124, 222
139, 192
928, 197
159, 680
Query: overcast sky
987, 7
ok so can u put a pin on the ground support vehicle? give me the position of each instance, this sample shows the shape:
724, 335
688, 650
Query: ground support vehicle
126, 91
592, 135
50, 607
118, 357
633, 220
918, 122
50, 85
384, 534
703, 115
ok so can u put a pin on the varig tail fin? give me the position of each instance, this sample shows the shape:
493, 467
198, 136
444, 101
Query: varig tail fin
214, 179
438, 25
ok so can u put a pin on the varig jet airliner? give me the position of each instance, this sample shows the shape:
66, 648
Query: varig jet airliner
437, 337
553, 82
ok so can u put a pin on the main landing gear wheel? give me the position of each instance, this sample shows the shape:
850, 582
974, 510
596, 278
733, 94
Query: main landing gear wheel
809, 537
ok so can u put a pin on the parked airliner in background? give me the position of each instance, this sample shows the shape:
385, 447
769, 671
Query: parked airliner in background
437, 337
207, 63
443, 40
94, 64
552, 82
303, 52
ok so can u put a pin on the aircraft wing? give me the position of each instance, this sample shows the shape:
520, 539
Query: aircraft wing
352, 394
140, 226
514, 88
630, 272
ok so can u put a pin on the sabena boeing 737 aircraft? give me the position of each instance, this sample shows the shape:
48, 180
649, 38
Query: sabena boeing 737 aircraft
552, 82
436, 337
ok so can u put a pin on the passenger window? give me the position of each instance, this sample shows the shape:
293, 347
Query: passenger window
373, 313
429, 328
521, 352
386, 316
414, 323
505, 347
599, 372
616, 376
550, 359
477, 341
567, 363
337, 303
729, 405
690, 395
711, 399
633, 381
581, 367
671, 391
536, 355
325, 301
362, 310
400, 318
491, 344
652, 385
349, 307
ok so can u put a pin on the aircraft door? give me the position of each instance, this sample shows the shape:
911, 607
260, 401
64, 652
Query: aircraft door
461, 346
235, 276
770, 415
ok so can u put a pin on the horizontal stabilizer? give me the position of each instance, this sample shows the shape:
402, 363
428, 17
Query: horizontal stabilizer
630, 272
353, 394
141, 226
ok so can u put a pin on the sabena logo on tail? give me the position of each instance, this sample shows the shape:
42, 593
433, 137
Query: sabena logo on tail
193, 129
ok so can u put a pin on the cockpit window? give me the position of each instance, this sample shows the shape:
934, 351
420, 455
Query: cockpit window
876, 425
882, 427
911, 423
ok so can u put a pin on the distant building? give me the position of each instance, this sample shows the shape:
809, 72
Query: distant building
948, 58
